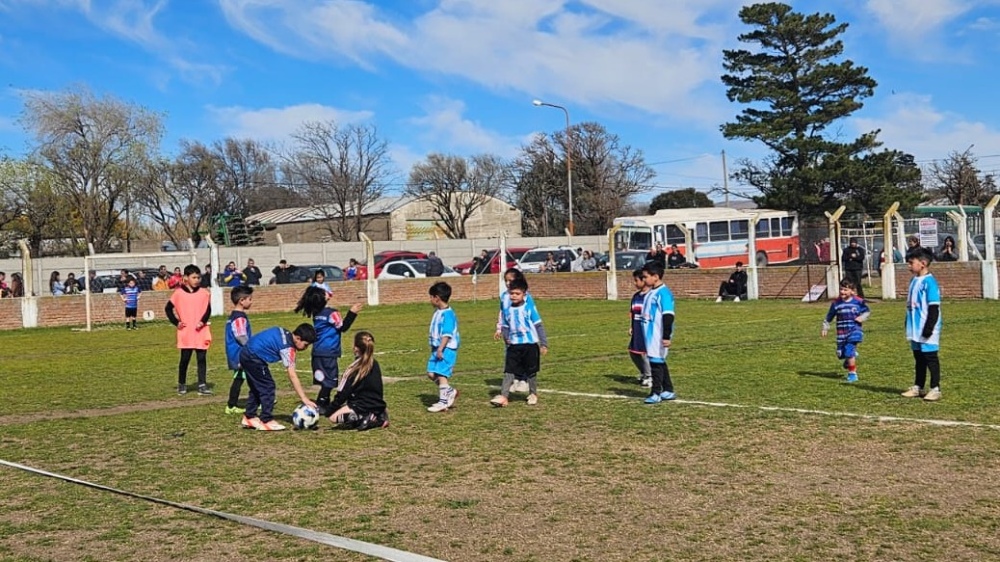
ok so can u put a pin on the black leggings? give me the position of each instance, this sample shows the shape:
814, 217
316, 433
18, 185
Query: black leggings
925, 360
182, 368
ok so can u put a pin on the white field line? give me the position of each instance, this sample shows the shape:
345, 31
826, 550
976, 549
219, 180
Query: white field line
871, 417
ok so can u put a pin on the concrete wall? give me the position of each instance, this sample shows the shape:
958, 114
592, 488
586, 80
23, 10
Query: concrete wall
957, 280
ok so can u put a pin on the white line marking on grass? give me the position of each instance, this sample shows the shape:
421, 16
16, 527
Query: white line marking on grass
370, 549
872, 417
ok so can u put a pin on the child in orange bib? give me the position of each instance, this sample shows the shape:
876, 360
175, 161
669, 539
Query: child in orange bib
189, 309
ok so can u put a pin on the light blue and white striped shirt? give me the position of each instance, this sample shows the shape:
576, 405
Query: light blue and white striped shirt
522, 324
924, 291
444, 323
659, 302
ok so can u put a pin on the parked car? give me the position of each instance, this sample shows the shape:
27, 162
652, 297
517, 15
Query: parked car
629, 260
380, 259
979, 241
411, 269
493, 259
532, 261
304, 273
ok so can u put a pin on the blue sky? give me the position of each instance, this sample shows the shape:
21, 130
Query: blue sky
458, 76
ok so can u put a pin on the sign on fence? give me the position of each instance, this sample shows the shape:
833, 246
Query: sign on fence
929, 233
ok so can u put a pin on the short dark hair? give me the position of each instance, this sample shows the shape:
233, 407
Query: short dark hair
739, 264
520, 284
923, 254
653, 268
306, 333
517, 273
440, 290
637, 274
848, 284
191, 269
239, 293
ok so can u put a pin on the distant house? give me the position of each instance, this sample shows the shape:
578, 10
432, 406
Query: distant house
387, 218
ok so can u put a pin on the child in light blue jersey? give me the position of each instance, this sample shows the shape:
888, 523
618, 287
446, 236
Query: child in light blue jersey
657, 325
526, 340
444, 341
923, 325
850, 311
520, 384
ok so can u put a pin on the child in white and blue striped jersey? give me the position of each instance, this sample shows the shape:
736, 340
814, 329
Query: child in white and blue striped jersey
522, 330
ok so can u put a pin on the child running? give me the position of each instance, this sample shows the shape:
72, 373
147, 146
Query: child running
359, 403
271, 346
238, 333
130, 296
850, 310
923, 325
444, 343
520, 384
526, 339
658, 325
190, 308
637, 340
329, 325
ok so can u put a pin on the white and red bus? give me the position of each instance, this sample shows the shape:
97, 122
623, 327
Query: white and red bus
714, 236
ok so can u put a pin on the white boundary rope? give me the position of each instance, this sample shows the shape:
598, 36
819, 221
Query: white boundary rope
370, 549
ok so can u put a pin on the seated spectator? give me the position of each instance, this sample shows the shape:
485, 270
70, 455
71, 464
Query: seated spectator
657, 255
587, 261
143, 281
283, 273
176, 279
948, 252
676, 258
481, 263
72, 285
735, 288
435, 267
351, 273
4, 289
550, 265
912, 246
16, 285
56, 286
319, 280
161, 283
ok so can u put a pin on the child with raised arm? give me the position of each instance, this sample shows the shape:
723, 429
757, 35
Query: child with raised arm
272, 345
923, 325
520, 384
190, 308
637, 340
444, 342
526, 341
850, 311
329, 325
238, 333
130, 296
658, 327
359, 403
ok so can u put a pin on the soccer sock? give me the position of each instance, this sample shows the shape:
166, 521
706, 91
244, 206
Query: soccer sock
508, 379
324, 394
443, 392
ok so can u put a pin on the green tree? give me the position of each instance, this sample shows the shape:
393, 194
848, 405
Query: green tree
680, 199
795, 89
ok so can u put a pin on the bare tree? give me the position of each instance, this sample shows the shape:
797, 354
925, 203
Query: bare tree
84, 140
457, 187
39, 211
247, 167
11, 177
341, 171
958, 180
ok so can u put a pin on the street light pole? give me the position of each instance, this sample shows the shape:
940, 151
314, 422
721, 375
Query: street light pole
569, 161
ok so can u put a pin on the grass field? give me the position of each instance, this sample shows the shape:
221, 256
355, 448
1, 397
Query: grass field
590, 474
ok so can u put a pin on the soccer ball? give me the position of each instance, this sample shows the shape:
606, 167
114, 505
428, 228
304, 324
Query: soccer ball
304, 417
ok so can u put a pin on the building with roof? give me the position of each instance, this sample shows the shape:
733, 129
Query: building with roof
386, 218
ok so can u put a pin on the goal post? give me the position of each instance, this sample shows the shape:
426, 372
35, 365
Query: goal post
103, 304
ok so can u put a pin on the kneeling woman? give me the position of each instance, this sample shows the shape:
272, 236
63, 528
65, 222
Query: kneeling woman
359, 403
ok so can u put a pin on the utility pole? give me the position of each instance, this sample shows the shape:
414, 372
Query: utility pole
725, 178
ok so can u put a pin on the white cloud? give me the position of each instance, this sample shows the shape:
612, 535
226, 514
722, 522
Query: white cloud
920, 27
445, 127
277, 124
647, 55
912, 124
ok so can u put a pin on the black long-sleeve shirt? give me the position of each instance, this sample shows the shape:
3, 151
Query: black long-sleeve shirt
364, 396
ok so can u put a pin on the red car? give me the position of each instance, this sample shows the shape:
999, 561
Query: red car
493, 259
383, 258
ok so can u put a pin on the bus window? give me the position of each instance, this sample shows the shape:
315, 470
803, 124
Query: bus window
659, 233
740, 230
701, 232
786, 226
763, 230
718, 231
675, 235
776, 227
634, 239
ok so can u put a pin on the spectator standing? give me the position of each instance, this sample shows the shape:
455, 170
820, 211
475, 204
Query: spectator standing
206, 279
853, 262
233, 277
657, 255
912, 246
72, 285
252, 273
96, 285
435, 267
161, 283
16, 285
4, 288
351, 273
587, 261
481, 263
55, 285
283, 273
948, 252
143, 280
177, 279
122, 280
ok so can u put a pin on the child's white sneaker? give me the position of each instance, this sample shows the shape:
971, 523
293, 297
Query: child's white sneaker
913, 392
934, 395
438, 407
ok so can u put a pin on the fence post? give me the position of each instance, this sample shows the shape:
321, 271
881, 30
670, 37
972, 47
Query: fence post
371, 282
502, 257
888, 265
612, 274
989, 263
218, 297
833, 274
753, 279
281, 246
29, 304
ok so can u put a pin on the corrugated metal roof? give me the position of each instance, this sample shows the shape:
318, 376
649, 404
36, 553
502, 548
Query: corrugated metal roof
308, 214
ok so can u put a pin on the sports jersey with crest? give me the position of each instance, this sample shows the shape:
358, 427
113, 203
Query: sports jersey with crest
848, 312
659, 302
444, 323
923, 292
237, 326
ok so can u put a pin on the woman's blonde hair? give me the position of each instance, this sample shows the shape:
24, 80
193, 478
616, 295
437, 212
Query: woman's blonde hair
364, 346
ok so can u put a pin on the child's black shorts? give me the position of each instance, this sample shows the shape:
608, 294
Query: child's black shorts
522, 360
325, 371
131, 312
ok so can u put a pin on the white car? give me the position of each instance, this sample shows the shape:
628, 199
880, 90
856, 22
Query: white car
411, 269
534, 260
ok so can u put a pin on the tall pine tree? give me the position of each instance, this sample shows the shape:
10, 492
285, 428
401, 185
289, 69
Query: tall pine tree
795, 89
